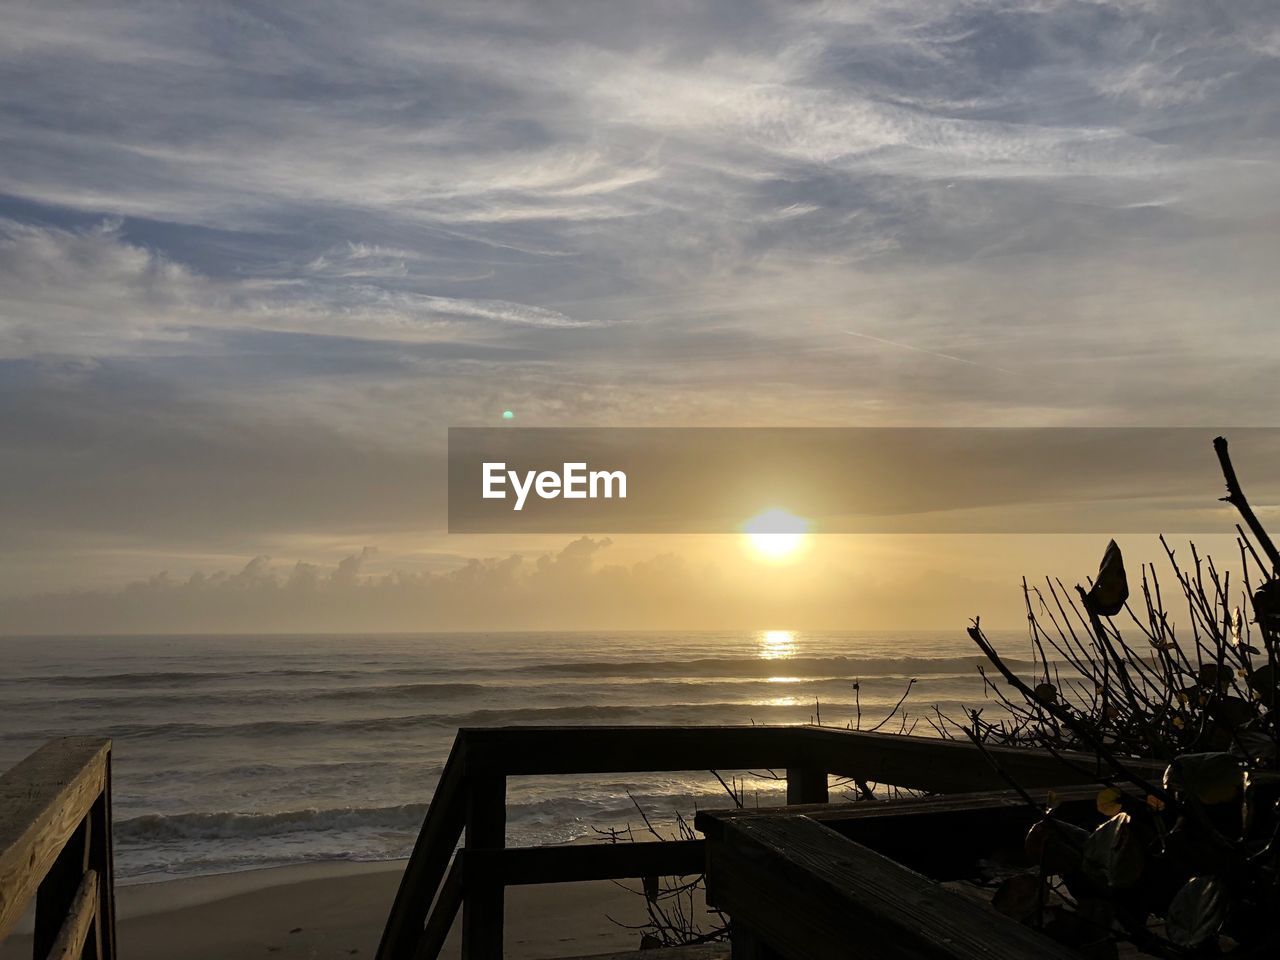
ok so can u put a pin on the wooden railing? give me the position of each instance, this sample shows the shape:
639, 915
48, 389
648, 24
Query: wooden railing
470, 803
55, 848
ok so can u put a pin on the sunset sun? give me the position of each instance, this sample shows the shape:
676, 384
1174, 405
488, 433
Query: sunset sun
776, 534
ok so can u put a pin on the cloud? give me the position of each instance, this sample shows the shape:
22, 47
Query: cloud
574, 587
92, 292
254, 261
553, 589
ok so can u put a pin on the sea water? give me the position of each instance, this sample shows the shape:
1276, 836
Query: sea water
232, 753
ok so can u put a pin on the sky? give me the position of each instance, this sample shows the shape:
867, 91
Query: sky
255, 259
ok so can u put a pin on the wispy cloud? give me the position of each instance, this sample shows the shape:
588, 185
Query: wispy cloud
356, 223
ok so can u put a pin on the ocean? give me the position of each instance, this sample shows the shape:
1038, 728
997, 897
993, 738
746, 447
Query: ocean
233, 753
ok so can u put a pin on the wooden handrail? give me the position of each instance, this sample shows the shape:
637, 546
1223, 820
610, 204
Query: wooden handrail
922, 763
55, 848
442, 914
437, 840
472, 791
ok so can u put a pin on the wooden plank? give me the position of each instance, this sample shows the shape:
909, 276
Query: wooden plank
542, 750
443, 913
806, 785
569, 863
483, 896
811, 894
43, 801
432, 851
75, 927
838, 815
924, 763
940, 836
953, 766
916, 762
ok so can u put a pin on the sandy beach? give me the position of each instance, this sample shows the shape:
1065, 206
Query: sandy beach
332, 910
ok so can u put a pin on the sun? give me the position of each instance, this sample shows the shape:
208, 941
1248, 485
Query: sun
776, 535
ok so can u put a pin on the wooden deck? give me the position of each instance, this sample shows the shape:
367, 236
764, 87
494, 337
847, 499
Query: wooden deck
808, 881
849, 881
470, 805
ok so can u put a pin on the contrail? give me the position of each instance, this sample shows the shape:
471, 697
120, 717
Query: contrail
927, 353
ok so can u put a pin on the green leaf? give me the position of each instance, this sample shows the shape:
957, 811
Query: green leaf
1113, 854
1196, 912
1209, 777
1266, 603
1233, 711
1109, 801
1263, 683
1018, 897
651, 889
1056, 845
1211, 675
1109, 592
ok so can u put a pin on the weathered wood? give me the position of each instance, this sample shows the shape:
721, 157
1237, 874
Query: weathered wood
523, 751
922, 763
952, 766
809, 754
942, 836
43, 802
443, 913
482, 896
82, 915
806, 785
848, 816
835, 815
569, 863
432, 851
811, 894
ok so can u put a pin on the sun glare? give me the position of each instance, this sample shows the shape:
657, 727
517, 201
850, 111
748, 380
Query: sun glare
777, 645
776, 534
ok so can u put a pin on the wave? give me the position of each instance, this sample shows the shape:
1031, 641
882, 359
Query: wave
793, 710
160, 828
839, 667
547, 690
235, 697
829, 667
162, 678
259, 728
616, 805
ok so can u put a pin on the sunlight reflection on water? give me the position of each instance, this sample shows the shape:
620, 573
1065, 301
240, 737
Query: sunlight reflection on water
777, 644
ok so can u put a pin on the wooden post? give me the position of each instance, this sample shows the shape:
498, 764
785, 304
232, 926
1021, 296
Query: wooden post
806, 785
483, 898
